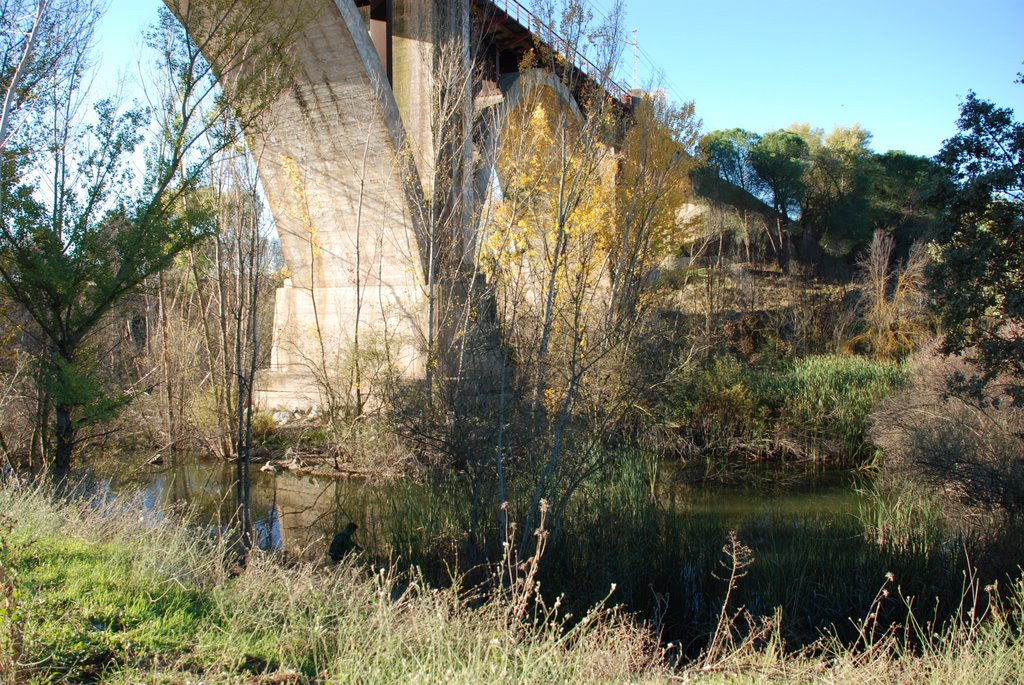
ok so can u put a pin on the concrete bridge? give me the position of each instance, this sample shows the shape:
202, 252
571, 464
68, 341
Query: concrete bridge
370, 197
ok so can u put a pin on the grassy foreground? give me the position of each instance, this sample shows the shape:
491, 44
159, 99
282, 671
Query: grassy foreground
93, 593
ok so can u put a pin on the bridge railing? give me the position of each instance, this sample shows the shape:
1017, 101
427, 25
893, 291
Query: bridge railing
532, 23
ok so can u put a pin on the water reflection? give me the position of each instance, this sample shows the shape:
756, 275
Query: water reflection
300, 513
294, 512
664, 554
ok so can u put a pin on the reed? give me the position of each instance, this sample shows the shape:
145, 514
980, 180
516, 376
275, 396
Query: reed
809, 409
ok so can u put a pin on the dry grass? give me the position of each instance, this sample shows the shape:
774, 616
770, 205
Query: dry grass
127, 599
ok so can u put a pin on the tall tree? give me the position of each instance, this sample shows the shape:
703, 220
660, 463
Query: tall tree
728, 153
780, 159
901, 196
79, 229
657, 154
834, 208
43, 45
978, 276
588, 207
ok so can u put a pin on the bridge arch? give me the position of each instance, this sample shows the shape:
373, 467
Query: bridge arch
521, 89
344, 156
336, 161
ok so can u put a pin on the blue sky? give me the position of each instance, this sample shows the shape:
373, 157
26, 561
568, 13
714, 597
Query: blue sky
899, 68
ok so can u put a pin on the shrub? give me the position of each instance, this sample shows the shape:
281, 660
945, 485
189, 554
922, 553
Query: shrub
811, 408
892, 302
716, 411
263, 425
970, 449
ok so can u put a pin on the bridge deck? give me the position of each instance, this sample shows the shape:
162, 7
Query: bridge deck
510, 30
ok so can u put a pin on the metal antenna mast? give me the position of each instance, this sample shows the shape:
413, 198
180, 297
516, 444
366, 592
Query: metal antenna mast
636, 61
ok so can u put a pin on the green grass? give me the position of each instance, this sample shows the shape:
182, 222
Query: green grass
98, 595
808, 409
96, 604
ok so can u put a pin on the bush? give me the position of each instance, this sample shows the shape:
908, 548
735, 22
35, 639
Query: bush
813, 408
970, 449
263, 425
716, 412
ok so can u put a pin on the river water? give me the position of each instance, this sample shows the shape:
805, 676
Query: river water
299, 513
808, 537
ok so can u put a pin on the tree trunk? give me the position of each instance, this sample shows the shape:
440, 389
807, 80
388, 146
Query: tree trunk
783, 252
165, 359
810, 247
65, 436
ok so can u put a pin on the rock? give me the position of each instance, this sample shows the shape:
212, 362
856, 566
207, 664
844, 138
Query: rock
236, 568
281, 417
260, 453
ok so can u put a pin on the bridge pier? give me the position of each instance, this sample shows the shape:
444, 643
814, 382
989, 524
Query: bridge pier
340, 165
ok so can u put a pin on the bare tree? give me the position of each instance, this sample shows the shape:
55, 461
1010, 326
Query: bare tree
892, 299
44, 47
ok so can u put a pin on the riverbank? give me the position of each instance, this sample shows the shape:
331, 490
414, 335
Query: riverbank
104, 594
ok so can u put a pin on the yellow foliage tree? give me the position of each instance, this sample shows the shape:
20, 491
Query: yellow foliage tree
587, 209
547, 246
653, 185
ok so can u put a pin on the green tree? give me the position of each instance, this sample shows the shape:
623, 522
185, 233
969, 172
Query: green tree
901, 195
834, 209
728, 153
79, 228
978, 276
780, 159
